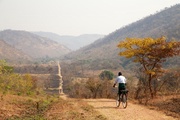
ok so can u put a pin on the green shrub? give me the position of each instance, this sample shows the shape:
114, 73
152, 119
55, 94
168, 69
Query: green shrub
15, 83
106, 75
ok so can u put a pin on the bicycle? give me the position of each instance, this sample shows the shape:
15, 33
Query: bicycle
122, 98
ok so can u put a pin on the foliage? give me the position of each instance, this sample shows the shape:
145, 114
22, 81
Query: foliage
4, 68
15, 83
150, 53
106, 75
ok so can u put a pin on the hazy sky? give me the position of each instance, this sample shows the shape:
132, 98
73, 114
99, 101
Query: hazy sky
75, 17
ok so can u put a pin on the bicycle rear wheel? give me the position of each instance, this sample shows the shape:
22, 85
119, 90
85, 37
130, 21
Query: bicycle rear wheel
118, 101
124, 100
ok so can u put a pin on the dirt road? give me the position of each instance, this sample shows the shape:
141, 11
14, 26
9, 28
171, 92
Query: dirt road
133, 111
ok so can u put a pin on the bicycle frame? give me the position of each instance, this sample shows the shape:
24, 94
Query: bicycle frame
122, 98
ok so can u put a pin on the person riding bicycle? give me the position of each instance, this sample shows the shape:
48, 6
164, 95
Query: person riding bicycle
121, 80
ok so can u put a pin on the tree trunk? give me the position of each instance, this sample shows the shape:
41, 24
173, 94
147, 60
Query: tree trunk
150, 86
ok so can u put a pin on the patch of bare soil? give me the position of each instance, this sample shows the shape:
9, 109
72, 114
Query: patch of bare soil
107, 107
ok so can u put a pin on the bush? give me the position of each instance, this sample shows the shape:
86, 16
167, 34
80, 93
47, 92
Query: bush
106, 75
15, 83
91, 88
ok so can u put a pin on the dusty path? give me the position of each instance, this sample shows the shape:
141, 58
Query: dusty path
133, 112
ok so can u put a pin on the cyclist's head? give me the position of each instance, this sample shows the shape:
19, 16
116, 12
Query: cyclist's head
119, 73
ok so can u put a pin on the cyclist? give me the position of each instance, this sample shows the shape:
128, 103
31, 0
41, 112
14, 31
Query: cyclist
121, 81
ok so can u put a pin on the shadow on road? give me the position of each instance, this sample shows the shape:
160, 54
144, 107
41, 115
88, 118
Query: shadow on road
105, 107
100, 100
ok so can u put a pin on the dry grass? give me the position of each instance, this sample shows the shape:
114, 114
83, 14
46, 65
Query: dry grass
170, 105
15, 107
72, 109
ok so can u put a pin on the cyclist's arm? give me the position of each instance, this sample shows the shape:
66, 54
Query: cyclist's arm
115, 83
125, 81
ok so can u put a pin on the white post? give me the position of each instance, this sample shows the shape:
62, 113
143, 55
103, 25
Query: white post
60, 80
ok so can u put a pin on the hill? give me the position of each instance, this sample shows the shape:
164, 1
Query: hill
165, 23
11, 54
32, 45
72, 42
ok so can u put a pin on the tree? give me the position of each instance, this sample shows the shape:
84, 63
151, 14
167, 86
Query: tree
94, 85
150, 53
106, 75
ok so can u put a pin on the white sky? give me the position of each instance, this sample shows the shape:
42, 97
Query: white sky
75, 17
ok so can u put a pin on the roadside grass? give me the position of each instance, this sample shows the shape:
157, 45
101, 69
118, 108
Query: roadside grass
15, 107
73, 109
170, 105
46, 107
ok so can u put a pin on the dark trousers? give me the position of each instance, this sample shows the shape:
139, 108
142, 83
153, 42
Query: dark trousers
121, 86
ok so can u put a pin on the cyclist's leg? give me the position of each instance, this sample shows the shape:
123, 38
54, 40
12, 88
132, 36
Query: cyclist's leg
121, 87
119, 92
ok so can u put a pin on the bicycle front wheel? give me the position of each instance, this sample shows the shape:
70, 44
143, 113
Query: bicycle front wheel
124, 100
118, 101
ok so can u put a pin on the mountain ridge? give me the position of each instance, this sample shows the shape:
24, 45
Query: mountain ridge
33, 45
72, 42
165, 23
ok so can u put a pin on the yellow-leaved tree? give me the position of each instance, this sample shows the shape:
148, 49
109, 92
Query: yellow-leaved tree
150, 53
